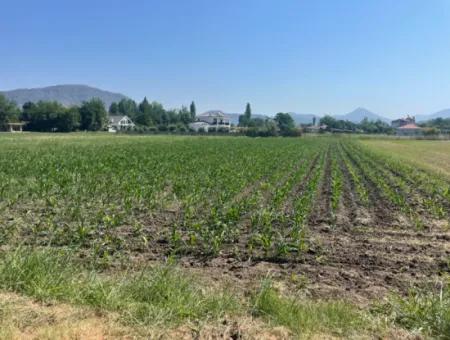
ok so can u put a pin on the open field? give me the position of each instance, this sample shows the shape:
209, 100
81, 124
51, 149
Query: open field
331, 223
431, 155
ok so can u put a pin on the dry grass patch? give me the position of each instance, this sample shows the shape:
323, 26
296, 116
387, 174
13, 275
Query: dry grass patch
23, 318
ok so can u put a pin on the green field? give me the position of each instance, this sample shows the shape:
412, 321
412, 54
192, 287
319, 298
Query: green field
160, 233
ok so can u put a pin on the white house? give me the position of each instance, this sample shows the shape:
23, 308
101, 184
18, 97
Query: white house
199, 126
211, 121
118, 123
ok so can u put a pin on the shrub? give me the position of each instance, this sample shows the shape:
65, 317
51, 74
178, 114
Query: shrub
295, 132
162, 128
182, 128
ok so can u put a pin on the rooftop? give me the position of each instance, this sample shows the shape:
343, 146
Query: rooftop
116, 118
409, 126
213, 113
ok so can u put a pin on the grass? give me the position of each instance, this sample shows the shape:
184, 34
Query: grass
164, 297
424, 311
22, 318
161, 295
429, 155
305, 318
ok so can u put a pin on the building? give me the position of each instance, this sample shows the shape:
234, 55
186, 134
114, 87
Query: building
199, 126
211, 121
409, 130
406, 126
315, 128
120, 123
15, 127
403, 121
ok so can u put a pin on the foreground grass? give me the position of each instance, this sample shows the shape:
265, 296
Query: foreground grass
424, 311
165, 297
307, 318
23, 318
154, 296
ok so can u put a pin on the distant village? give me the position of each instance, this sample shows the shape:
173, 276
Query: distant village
218, 121
127, 116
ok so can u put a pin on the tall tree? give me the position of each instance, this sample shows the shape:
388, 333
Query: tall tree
128, 107
93, 115
50, 116
144, 116
68, 120
244, 120
114, 108
8, 111
185, 116
193, 111
158, 114
285, 123
248, 112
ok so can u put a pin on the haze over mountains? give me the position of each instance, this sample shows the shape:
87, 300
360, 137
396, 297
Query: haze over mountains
75, 94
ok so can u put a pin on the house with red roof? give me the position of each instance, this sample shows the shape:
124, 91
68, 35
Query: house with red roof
407, 126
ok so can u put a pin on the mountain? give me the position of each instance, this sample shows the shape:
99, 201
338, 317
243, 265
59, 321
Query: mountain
357, 115
440, 114
67, 95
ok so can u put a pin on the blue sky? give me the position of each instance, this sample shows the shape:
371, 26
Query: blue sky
392, 57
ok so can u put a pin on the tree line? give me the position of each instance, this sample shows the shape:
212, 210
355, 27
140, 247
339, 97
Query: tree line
282, 124
153, 115
365, 126
51, 116
436, 125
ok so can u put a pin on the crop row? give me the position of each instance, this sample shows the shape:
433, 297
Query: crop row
113, 196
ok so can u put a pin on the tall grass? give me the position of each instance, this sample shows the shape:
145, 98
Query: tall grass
153, 296
307, 317
425, 311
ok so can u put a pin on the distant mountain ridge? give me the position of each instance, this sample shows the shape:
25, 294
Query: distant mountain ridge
357, 115
68, 95
440, 114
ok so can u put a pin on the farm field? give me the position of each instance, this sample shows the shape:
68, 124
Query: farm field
428, 154
330, 218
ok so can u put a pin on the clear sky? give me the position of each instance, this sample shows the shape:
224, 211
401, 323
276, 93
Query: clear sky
390, 56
